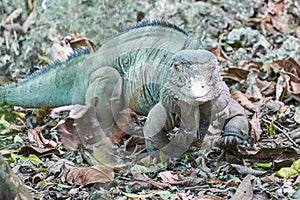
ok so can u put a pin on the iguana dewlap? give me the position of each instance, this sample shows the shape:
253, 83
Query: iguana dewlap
154, 68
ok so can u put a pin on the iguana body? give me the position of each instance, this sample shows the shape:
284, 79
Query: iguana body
155, 69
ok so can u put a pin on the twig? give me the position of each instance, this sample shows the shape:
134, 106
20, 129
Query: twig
282, 131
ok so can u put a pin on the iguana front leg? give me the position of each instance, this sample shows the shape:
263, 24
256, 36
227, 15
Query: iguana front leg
160, 121
235, 129
233, 120
106, 85
155, 129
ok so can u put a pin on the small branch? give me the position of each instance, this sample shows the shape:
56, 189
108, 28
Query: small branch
282, 131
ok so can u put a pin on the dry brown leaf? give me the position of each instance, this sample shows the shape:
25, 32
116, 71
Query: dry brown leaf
247, 170
69, 138
289, 80
272, 153
256, 130
245, 189
38, 151
281, 87
281, 22
36, 136
88, 175
236, 74
242, 99
169, 177
80, 42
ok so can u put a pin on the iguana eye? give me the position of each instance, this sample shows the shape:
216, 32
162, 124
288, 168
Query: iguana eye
176, 65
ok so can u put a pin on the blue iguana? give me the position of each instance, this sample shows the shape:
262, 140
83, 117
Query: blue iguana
154, 68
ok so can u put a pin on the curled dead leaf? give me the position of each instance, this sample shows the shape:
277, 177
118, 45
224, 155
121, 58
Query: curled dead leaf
36, 136
247, 170
236, 74
242, 99
88, 175
256, 130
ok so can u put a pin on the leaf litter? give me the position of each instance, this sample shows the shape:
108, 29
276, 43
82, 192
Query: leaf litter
258, 49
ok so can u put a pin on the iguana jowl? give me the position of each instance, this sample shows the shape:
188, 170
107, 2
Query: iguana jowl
154, 68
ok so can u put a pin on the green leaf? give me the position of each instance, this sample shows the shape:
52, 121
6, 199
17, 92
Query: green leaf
43, 182
272, 129
4, 124
165, 194
296, 165
16, 157
235, 43
264, 165
286, 172
163, 161
45, 169
18, 139
64, 186
34, 159
130, 195
141, 169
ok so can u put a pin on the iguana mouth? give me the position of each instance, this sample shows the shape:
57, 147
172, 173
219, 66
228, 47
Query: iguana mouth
200, 98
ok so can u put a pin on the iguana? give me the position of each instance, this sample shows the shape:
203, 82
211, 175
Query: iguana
154, 68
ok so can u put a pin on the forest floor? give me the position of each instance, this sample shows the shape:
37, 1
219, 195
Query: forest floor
257, 44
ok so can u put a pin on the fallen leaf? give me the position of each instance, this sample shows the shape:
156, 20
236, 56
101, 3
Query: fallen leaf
296, 165
165, 194
256, 130
140, 169
106, 154
242, 99
234, 73
82, 129
271, 129
286, 172
169, 177
88, 175
247, 170
39, 151
253, 89
133, 196
80, 42
245, 189
36, 136
272, 153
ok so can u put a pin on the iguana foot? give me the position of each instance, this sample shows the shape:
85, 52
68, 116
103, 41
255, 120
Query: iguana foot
232, 137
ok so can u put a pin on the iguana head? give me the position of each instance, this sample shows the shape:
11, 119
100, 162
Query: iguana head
194, 76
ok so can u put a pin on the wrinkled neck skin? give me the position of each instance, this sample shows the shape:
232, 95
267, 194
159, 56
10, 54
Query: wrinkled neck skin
194, 115
173, 100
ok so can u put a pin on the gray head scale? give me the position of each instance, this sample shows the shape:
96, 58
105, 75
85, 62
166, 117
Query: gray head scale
194, 74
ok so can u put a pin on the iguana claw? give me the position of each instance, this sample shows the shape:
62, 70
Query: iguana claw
232, 137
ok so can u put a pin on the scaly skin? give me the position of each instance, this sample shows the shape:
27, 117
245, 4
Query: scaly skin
155, 69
